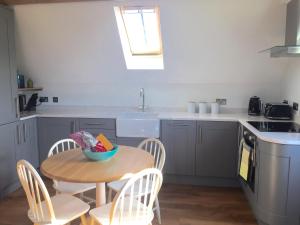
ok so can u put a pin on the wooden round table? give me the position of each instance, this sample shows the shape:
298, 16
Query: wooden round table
73, 166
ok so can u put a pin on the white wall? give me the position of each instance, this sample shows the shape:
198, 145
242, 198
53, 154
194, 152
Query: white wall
210, 50
291, 81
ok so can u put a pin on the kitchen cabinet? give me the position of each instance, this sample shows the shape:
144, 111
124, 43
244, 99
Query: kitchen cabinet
8, 173
217, 149
26, 141
8, 93
179, 139
51, 130
103, 125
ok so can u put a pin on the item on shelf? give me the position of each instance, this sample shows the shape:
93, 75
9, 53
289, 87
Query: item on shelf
202, 107
21, 80
191, 107
215, 108
29, 83
22, 102
32, 103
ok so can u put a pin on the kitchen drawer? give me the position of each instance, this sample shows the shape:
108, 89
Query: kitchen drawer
109, 124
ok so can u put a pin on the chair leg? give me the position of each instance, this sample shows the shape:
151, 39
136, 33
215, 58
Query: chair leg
92, 221
83, 220
157, 210
109, 195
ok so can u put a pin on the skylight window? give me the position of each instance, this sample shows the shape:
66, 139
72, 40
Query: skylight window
139, 30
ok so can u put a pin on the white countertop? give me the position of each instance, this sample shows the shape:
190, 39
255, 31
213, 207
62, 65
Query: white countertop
171, 114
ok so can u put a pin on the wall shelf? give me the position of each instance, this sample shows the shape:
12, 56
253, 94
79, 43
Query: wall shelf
28, 90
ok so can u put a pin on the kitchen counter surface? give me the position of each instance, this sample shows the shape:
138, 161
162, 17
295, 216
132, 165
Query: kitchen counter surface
167, 114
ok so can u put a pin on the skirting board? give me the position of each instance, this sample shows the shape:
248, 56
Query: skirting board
201, 181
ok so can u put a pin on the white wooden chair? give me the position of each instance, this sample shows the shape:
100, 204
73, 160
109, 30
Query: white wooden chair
57, 210
134, 203
68, 187
155, 148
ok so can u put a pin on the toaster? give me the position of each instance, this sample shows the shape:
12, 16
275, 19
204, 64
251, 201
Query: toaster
278, 111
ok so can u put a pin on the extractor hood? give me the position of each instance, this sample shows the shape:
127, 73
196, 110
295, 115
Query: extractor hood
292, 33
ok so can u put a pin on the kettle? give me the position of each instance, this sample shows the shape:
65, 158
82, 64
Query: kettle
254, 108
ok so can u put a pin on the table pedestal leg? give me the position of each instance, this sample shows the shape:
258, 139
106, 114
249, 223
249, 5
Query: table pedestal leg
100, 194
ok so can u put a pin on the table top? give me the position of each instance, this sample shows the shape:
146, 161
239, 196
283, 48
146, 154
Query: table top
73, 166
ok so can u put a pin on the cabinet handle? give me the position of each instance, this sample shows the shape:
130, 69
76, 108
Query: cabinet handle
73, 127
95, 124
17, 107
200, 134
24, 133
18, 135
179, 124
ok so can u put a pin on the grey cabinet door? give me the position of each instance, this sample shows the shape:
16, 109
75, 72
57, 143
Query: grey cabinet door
217, 149
26, 139
51, 130
8, 173
179, 139
7, 68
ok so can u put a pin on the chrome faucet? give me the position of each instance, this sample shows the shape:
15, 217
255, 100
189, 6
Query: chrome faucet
142, 95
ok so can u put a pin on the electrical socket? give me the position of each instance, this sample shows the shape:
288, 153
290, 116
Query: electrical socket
295, 106
43, 99
55, 99
221, 101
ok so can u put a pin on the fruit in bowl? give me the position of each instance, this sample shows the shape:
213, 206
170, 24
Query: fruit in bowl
97, 149
100, 156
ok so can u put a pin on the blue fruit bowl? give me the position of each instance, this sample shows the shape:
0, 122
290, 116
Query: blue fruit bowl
100, 156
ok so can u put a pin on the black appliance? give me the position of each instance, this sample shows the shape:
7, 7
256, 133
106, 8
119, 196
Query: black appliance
254, 108
32, 103
248, 143
22, 102
266, 126
278, 111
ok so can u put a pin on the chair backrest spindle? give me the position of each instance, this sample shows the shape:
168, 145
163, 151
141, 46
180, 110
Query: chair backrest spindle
36, 192
123, 204
156, 149
61, 146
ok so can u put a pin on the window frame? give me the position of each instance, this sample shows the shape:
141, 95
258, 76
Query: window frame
158, 25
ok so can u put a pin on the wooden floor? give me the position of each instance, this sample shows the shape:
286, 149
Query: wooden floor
180, 205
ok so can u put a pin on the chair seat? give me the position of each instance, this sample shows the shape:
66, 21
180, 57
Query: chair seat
66, 208
72, 188
116, 186
102, 214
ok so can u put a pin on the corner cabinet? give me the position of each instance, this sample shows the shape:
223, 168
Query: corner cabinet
8, 90
51, 130
27, 142
8, 173
217, 149
179, 139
